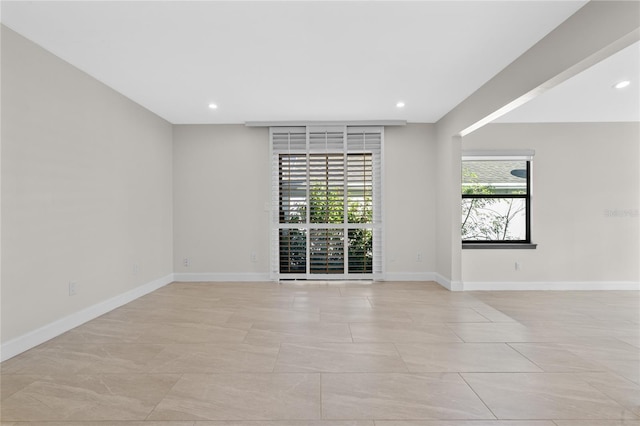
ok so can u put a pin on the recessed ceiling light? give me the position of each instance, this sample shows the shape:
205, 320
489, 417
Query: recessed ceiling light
622, 84
213, 106
400, 104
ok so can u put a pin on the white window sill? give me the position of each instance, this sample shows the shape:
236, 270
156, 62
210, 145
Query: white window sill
499, 246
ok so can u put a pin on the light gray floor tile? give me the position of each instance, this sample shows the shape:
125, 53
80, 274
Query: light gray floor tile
287, 423
544, 396
399, 396
339, 358
279, 332
554, 359
465, 423
283, 396
99, 397
222, 357
361, 354
398, 332
463, 357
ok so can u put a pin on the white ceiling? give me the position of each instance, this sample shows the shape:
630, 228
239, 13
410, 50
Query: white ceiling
296, 60
590, 95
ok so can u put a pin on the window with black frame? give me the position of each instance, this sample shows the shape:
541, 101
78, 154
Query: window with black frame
496, 201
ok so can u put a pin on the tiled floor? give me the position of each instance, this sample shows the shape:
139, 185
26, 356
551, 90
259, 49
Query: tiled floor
345, 354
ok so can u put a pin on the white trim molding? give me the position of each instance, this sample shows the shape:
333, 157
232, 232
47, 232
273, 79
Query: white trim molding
498, 154
448, 284
551, 285
325, 123
222, 277
36, 337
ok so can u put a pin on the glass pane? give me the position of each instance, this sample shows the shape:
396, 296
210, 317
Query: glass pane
360, 251
293, 251
293, 188
326, 179
326, 251
494, 177
360, 188
494, 219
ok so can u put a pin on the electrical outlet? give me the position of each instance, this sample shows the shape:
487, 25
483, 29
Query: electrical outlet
254, 257
186, 262
73, 288
135, 269
419, 256
518, 266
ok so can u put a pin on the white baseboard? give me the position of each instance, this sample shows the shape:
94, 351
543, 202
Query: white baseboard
32, 339
221, 277
447, 283
551, 285
425, 276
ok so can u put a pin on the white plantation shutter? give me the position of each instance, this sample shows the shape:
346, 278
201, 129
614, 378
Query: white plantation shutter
289, 200
365, 177
289, 139
326, 202
327, 186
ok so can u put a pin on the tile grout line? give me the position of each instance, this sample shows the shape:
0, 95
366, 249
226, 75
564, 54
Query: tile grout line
480, 313
446, 324
164, 397
351, 332
478, 396
508, 344
368, 298
275, 364
321, 402
400, 356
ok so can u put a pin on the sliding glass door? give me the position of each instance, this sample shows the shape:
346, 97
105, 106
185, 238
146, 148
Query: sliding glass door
326, 192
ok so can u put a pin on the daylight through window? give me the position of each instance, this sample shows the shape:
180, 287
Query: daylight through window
496, 200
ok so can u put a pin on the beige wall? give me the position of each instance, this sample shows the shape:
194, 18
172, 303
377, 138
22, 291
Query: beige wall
586, 196
222, 183
409, 200
86, 190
